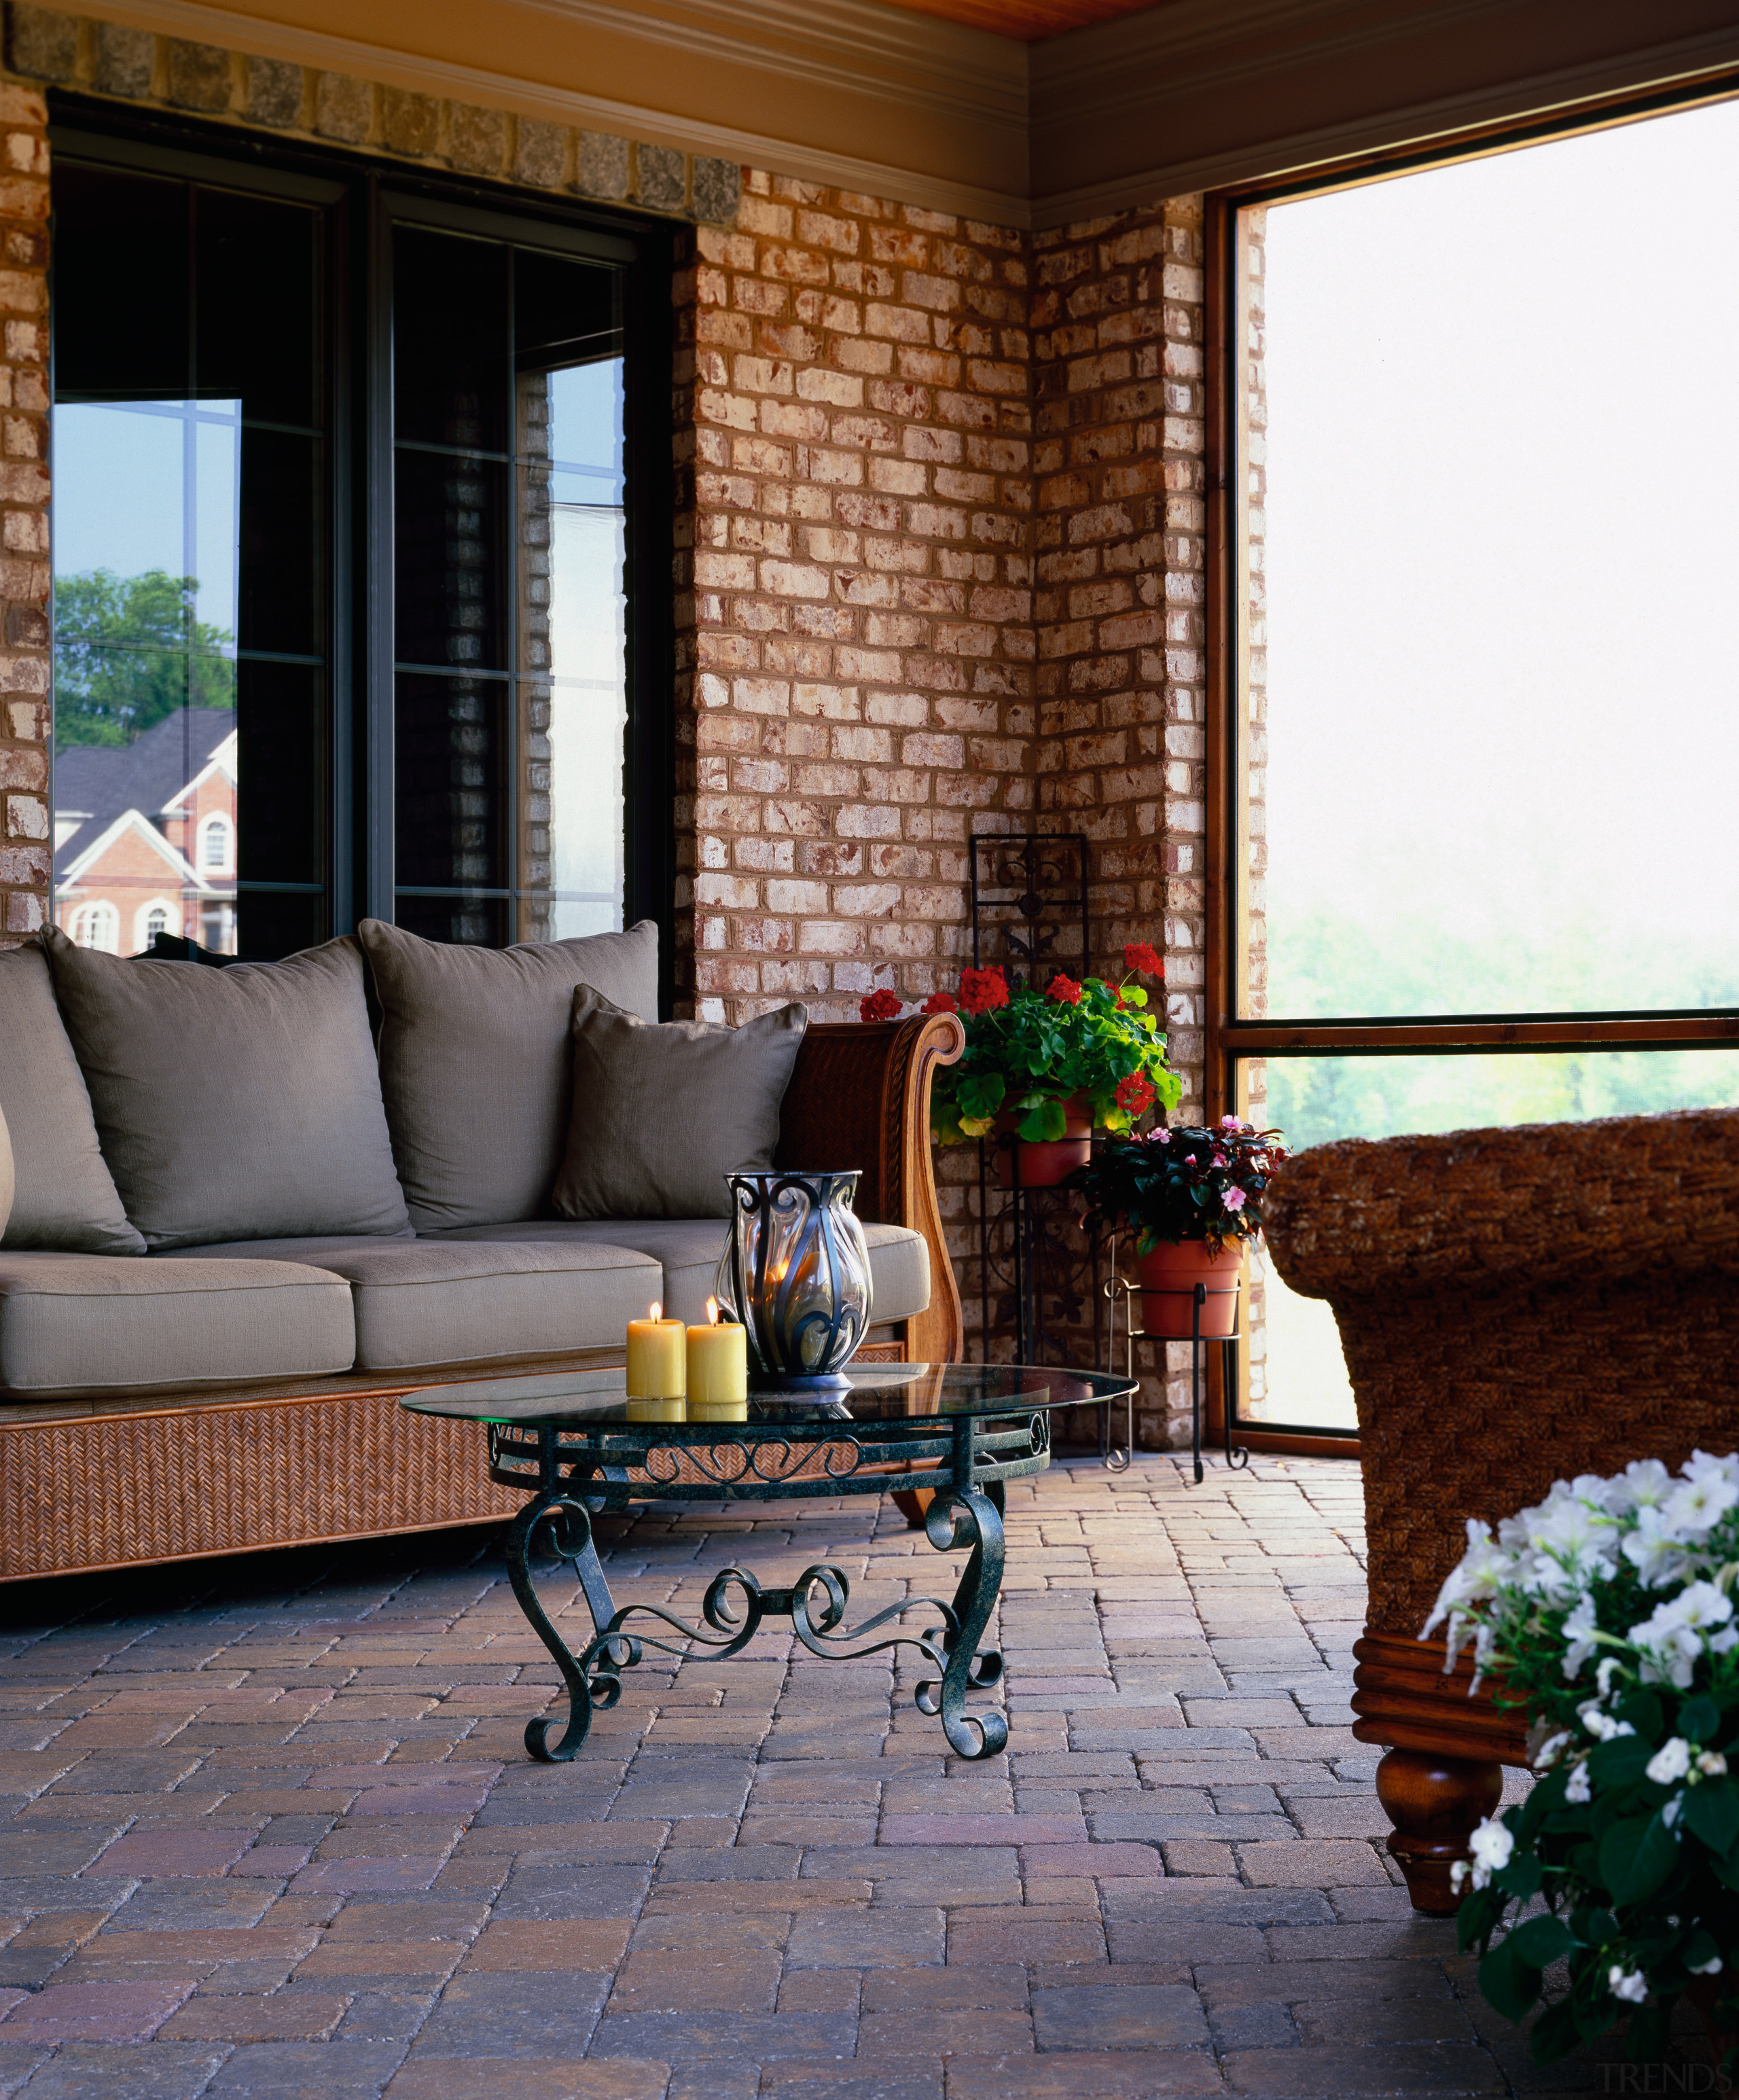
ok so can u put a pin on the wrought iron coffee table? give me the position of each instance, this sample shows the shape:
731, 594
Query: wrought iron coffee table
961, 1430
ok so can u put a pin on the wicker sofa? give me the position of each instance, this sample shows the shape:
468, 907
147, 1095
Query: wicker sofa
164, 1395
1516, 1307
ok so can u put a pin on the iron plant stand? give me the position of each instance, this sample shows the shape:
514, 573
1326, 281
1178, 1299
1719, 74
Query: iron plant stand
1118, 1290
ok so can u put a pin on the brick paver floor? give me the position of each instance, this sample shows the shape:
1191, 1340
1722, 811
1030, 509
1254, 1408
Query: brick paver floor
269, 1829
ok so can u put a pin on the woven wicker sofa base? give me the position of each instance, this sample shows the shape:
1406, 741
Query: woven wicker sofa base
117, 1482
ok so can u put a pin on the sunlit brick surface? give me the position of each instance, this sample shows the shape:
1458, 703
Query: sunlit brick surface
270, 1829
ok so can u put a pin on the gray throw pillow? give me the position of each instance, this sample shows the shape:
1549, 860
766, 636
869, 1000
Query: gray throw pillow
662, 1114
64, 1198
236, 1104
476, 1065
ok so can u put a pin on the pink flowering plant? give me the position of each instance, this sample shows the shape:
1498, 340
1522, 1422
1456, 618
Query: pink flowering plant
1186, 1184
1031, 1051
1608, 1613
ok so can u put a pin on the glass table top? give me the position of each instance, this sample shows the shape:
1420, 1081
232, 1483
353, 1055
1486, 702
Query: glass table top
878, 1393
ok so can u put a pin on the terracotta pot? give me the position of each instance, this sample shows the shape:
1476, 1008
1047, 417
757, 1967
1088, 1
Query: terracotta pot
1046, 1162
1168, 1277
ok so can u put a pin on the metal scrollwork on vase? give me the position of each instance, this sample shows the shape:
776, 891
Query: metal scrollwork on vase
796, 1273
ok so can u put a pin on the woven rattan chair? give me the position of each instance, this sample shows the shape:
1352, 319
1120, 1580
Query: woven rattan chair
1516, 1307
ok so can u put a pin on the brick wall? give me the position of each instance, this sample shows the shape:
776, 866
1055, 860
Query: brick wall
856, 610
24, 852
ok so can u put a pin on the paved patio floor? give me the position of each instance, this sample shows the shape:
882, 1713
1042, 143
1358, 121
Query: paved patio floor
270, 1830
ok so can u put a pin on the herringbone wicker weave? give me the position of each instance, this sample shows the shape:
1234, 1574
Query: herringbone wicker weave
1516, 1307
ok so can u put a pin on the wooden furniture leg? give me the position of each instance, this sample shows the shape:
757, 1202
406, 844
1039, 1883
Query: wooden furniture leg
1434, 1803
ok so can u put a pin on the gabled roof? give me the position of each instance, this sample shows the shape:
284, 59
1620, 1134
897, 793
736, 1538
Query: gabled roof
178, 869
100, 781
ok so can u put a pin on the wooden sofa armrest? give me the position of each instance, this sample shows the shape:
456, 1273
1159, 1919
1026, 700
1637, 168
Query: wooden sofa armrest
860, 1097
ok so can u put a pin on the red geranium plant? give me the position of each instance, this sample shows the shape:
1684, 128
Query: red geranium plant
1030, 1049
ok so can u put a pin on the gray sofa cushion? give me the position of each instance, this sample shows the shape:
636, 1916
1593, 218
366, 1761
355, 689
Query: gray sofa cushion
64, 1195
687, 1251
423, 1302
662, 1114
233, 1104
476, 1062
86, 1323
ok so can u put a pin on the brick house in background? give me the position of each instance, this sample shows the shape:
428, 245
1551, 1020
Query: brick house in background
145, 835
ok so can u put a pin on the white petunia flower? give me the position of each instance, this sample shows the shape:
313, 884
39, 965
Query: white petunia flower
1705, 1466
1671, 1762
1491, 1845
1699, 1505
1605, 1671
1633, 1986
1711, 1967
1548, 1750
1477, 1576
1576, 1788
1672, 1636
1711, 1764
1645, 1484
1580, 1630
1656, 1551
1671, 1811
1602, 1726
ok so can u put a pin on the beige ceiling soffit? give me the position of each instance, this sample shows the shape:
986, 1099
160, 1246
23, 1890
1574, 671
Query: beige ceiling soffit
1241, 159
975, 100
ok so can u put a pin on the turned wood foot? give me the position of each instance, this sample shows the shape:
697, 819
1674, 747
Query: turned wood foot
1434, 1803
913, 1504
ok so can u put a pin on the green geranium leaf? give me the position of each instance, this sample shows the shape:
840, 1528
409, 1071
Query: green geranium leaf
1711, 1809
1509, 1984
1541, 1940
1045, 1123
982, 1094
1636, 1856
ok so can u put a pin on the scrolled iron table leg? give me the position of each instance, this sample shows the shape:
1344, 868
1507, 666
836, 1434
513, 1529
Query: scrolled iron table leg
566, 1509
957, 1517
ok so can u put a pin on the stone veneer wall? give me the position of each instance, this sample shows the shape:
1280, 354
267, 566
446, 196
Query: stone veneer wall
865, 508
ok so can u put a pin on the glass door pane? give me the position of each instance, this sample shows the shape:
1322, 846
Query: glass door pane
510, 648
1489, 541
1297, 1374
191, 691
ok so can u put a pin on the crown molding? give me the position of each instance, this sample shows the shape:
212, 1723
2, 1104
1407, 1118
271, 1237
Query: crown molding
1205, 74
1187, 95
846, 79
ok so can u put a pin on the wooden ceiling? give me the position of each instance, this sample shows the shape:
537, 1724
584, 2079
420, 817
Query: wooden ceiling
1027, 20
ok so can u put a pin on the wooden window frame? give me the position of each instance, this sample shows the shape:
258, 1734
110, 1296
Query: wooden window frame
1229, 1037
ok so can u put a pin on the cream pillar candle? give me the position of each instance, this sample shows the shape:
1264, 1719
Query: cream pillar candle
717, 1369
657, 1359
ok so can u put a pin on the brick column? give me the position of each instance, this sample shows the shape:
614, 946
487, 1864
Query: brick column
25, 853
1120, 463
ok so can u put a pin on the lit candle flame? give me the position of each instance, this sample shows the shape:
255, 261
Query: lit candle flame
655, 1311
711, 1312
